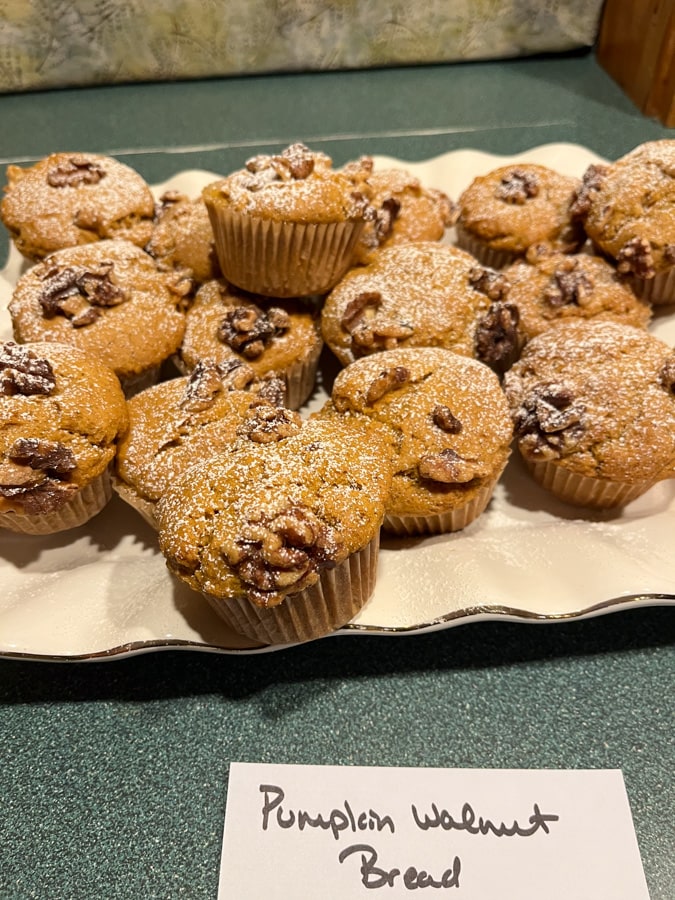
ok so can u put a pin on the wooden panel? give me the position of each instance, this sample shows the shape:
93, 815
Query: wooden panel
636, 46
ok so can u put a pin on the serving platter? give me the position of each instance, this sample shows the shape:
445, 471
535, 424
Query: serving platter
103, 591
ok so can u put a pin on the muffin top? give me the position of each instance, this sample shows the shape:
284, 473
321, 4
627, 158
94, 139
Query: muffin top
421, 294
297, 185
107, 298
176, 423
403, 210
449, 416
515, 206
61, 414
627, 208
270, 335
182, 237
68, 199
549, 287
598, 397
265, 521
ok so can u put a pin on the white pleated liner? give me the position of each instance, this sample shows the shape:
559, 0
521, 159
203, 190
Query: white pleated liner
584, 490
282, 259
441, 523
81, 507
312, 613
659, 291
495, 259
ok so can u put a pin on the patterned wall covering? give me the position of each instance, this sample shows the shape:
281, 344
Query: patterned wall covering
56, 43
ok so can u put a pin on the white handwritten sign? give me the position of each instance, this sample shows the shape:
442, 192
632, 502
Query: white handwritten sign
337, 833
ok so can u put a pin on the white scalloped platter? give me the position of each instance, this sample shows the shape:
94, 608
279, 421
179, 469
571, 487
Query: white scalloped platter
103, 591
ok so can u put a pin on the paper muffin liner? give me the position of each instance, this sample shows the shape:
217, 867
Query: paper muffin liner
659, 290
300, 378
488, 256
81, 507
441, 523
315, 611
585, 490
132, 498
282, 259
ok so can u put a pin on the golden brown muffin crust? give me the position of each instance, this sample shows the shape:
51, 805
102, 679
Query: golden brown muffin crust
69, 199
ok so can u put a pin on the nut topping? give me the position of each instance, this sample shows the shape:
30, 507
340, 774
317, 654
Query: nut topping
208, 378
78, 293
74, 171
636, 257
549, 422
387, 380
295, 163
248, 330
264, 423
281, 554
591, 183
568, 285
368, 331
493, 284
496, 336
35, 473
385, 216
52, 457
23, 372
449, 467
668, 374
518, 186
444, 419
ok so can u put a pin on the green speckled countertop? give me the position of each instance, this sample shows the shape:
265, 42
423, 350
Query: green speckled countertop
113, 774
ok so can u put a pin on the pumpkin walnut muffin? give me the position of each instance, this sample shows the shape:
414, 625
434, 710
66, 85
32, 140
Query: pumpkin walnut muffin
594, 410
452, 432
109, 299
280, 337
628, 210
283, 538
286, 224
423, 294
510, 208
62, 412
67, 199
176, 423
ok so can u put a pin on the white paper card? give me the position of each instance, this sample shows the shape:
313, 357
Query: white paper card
337, 833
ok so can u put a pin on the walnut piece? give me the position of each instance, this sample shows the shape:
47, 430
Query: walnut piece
78, 293
295, 163
281, 554
35, 474
248, 330
265, 423
370, 332
667, 378
46, 456
445, 419
591, 183
568, 285
74, 171
496, 338
549, 422
388, 380
209, 378
518, 186
493, 284
636, 257
448, 467
23, 372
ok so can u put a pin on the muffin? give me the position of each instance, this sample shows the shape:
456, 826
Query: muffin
422, 294
274, 337
283, 538
110, 300
510, 208
286, 224
594, 410
452, 432
174, 424
548, 288
182, 237
403, 210
628, 210
68, 199
62, 412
